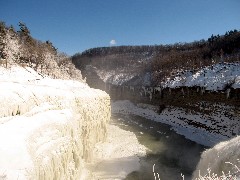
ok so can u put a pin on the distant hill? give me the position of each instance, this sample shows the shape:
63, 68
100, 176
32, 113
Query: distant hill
150, 65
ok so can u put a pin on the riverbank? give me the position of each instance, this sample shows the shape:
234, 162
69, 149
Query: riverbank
181, 121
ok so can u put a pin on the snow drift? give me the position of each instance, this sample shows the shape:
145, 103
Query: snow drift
48, 128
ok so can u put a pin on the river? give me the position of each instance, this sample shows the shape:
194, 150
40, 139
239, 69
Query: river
172, 154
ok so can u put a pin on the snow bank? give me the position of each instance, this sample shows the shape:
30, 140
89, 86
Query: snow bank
214, 77
224, 157
182, 121
48, 128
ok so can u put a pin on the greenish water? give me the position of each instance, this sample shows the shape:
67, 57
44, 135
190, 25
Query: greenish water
171, 153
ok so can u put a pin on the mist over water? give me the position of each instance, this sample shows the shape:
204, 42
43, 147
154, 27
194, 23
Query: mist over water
171, 153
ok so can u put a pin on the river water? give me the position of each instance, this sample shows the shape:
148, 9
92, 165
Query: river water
172, 154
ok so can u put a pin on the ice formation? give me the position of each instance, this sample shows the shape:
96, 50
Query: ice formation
224, 157
48, 127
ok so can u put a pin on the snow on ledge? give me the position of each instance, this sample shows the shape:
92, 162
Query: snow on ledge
213, 78
48, 127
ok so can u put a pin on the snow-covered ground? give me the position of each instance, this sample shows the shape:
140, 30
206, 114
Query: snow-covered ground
48, 127
184, 122
214, 77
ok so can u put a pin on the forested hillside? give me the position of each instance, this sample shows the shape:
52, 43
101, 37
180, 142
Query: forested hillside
161, 61
19, 47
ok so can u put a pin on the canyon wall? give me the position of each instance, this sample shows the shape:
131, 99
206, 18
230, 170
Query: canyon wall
207, 100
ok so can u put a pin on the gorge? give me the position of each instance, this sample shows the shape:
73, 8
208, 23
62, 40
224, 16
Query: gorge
201, 104
135, 108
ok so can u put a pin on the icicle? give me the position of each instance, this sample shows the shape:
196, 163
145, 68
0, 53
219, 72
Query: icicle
170, 91
202, 90
157, 89
132, 88
150, 96
228, 92
183, 93
145, 90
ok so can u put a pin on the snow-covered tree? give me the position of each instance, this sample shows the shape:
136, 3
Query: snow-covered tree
9, 44
21, 48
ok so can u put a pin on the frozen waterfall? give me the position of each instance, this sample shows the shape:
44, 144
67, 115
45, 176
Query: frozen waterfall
48, 127
223, 157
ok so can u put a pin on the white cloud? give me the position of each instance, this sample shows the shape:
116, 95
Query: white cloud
113, 42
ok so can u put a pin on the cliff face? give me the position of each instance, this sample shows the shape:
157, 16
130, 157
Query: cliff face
48, 128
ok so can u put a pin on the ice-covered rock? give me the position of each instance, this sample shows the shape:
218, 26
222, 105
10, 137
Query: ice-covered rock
222, 158
48, 127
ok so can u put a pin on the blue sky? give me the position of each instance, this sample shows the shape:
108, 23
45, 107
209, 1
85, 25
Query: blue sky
76, 25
